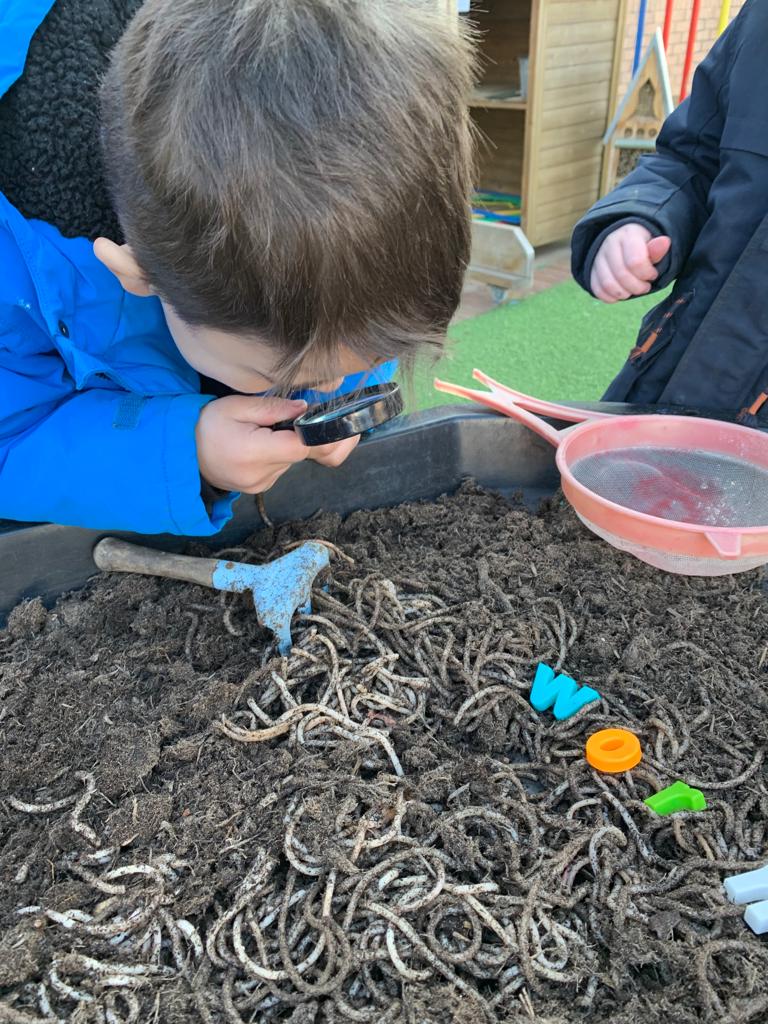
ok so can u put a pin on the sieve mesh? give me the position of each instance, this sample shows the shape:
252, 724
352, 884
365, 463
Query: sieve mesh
683, 565
681, 485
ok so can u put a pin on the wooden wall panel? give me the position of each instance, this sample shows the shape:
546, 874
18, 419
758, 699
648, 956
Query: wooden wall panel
567, 155
586, 34
566, 12
576, 131
577, 52
560, 204
567, 170
572, 56
577, 75
557, 98
557, 230
577, 110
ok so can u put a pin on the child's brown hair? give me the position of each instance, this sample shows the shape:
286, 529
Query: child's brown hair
296, 169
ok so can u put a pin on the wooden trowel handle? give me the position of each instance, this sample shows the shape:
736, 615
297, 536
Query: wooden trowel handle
112, 555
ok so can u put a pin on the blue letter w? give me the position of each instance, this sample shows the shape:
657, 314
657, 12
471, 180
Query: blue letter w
567, 696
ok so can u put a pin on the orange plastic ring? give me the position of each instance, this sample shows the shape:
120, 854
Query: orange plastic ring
614, 750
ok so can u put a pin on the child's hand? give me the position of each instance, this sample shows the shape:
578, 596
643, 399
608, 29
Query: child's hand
332, 454
236, 450
624, 265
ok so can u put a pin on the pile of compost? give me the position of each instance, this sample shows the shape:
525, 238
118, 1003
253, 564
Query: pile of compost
379, 827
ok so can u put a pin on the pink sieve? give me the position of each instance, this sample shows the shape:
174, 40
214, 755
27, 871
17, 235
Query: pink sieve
683, 494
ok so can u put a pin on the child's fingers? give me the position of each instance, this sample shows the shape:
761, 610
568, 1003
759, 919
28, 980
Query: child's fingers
274, 452
237, 454
262, 412
285, 446
333, 454
604, 285
659, 247
617, 264
277, 446
636, 257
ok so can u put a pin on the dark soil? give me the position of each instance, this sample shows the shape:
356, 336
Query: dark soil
414, 843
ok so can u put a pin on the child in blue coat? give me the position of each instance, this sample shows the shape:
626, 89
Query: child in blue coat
292, 180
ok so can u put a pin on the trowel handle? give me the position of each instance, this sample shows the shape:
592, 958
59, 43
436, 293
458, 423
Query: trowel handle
112, 555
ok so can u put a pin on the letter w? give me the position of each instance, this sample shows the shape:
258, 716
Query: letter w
566, 695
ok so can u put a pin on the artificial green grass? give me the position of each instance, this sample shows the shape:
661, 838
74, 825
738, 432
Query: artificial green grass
560, 344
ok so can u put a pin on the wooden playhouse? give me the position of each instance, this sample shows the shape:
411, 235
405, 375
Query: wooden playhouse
544, 143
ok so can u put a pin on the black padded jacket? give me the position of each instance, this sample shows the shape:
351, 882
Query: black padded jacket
706, 345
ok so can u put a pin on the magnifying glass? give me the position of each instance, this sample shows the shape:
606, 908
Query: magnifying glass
346, 416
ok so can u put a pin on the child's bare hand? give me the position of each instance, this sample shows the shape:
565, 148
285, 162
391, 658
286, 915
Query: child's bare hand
236, 450
625, 263
333, 454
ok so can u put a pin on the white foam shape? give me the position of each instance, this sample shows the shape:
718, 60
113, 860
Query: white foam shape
749, 887
756, 917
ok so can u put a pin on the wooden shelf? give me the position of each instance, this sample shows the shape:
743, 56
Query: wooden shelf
551, 153
494, 98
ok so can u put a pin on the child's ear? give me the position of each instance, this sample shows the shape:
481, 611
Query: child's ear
121, 261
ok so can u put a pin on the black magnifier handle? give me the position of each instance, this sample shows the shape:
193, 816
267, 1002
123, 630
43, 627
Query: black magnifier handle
347, 416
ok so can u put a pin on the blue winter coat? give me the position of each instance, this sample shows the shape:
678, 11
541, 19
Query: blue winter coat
706, 186
97, 407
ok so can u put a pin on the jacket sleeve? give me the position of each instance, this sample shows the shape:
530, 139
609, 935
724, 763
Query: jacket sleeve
19, 20
102, 459
668, 190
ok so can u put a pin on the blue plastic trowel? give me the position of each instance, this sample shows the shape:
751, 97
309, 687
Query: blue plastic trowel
279, 588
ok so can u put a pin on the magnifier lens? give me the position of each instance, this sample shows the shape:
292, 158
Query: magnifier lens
338, 409
349, 416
